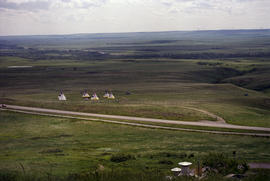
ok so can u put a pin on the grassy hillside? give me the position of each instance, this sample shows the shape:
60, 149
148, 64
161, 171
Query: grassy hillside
61, 146
151, 74
159, 75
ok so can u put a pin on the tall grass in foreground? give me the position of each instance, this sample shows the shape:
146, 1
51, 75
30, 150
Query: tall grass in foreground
219, 166
122, 175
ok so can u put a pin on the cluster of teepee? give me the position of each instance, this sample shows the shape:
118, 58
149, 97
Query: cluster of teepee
109, 95
86, 96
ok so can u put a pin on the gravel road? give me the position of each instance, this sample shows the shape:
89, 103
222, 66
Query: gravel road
200, 123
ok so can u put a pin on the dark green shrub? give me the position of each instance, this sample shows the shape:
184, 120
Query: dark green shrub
122, 157
8, 175
259, 175
172, 154
166, 162
223, 164
191, 155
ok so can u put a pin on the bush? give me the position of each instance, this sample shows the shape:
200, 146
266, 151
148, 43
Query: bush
191, 155
172, 155
166, 162
260, 175
8, 175
223, 164
122, 157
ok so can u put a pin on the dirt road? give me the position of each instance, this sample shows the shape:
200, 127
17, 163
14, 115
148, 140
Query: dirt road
207, 123
219, 119
86, 121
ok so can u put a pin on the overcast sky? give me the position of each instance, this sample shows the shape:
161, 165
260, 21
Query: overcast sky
24, 17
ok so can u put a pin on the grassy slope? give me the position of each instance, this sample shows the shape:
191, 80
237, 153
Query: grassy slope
33, 141
160, 87
159, 92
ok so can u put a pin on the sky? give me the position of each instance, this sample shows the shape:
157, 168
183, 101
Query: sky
39, 17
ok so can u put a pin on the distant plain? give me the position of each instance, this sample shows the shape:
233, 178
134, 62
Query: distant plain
151, 74
155, 75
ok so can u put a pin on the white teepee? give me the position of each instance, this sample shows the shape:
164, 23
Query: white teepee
106, 95
62, 97
94, 97
111, 96
85, 95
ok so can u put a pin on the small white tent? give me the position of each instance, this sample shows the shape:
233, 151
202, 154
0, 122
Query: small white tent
106, 95
94, 97
111, 96
62, 97
85, 95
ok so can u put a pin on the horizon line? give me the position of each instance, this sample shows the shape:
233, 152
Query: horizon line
83, 33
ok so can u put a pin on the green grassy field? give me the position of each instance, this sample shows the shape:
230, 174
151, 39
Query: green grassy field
157, 75
43, 144
164, 72
158, 89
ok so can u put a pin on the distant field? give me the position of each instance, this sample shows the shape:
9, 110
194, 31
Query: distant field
159, 86
152, 75
156, 75
63, 146
157, 89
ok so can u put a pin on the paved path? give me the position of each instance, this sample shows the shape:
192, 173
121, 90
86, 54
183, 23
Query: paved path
207, 123
86, 121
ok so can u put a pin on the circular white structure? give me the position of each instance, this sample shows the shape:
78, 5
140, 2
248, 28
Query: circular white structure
185, 164
185, 167
176, 171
